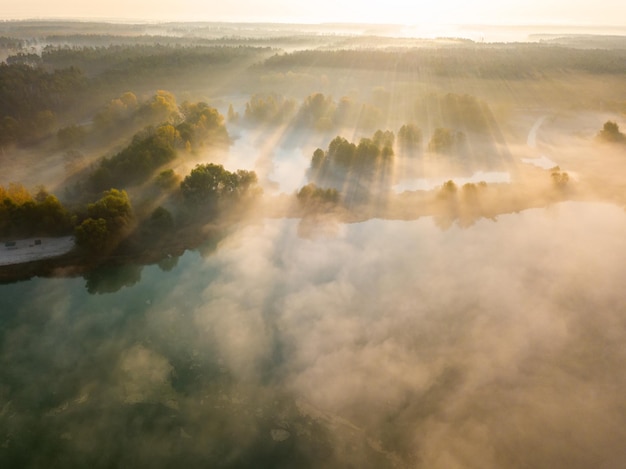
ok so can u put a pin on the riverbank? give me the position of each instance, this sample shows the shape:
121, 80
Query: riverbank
34, 249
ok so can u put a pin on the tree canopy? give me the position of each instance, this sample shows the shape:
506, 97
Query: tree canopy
22, 214
208, 183
108, 221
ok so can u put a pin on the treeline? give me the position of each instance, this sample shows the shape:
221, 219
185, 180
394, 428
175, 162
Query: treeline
10, 43
323, 112
375, 153
459, 111
191, 126
40, 92
516, 61
356, 170
369, 154
149, 150
202, 196
316, 112
31, 98
125, 60
360, 169
100, 227
25, 214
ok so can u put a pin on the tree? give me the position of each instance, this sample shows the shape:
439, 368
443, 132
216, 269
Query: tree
161, 107
311, 195
346, 112
341, 152
161, 219
116, 111
207, 183
202, 124
384, 141
367, 152
114, 207
92, 234
108, 221
611, 133
44, 123
21, 214
445, 140
317, 111
232, 116
449, 188
148, 150
71, 136
560, 179
9, 131
167, 179
318, 158
269, 109
409, 137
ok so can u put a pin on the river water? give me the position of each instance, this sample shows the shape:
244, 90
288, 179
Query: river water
375, 344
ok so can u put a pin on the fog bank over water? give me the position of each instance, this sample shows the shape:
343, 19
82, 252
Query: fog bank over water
387, 344
311, 245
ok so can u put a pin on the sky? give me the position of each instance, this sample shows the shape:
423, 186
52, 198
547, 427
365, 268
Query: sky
553, 12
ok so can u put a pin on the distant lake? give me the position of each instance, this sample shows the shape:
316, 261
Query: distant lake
374, 344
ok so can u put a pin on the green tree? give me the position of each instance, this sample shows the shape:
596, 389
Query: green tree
367, 152
311, 195
167, 180
109, 221
148, 150
117, 111
318, 158
207, 183
93, 235
341, 152
203, 124
161, 219
160, 108
114, 207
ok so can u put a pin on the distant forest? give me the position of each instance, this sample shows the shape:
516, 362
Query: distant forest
136, 114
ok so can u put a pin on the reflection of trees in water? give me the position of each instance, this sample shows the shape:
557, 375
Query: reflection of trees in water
110, 278
168, 263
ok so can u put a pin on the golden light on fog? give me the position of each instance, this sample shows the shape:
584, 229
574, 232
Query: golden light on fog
313, 245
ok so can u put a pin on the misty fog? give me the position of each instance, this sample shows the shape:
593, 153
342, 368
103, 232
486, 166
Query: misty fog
318, 246
388, 344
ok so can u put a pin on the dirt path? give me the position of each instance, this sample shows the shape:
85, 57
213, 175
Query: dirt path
34, 249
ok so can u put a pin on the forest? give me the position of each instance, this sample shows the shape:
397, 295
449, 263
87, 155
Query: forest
311, 245
78, 103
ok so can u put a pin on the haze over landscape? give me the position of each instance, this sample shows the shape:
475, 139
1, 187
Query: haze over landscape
556, 13
317, 235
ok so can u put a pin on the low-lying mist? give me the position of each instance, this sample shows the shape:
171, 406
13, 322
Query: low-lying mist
389, 344
319, 247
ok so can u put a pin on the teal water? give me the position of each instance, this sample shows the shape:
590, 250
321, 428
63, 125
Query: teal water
376, 344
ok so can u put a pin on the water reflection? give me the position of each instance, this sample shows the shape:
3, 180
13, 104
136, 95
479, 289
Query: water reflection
428, 184
111, 278
386, 344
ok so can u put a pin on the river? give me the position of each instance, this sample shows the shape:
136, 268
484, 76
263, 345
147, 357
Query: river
376, 344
